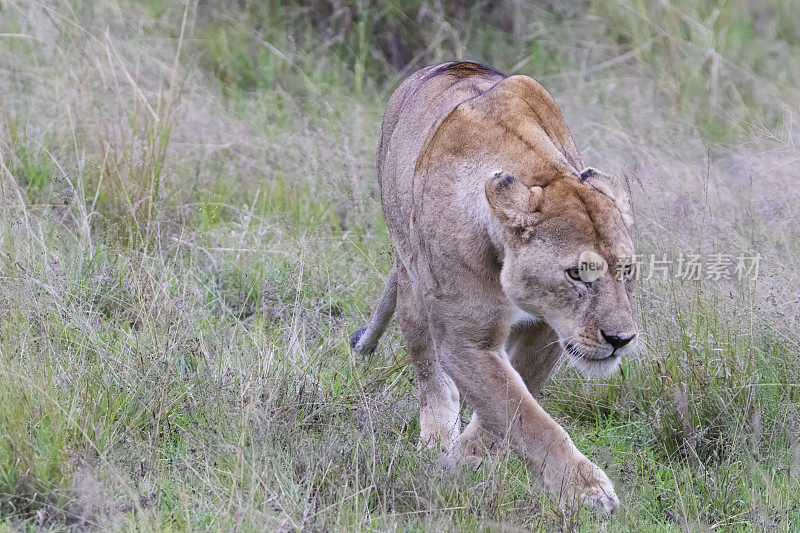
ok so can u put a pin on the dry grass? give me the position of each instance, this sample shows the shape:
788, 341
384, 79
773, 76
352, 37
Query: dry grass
190, 228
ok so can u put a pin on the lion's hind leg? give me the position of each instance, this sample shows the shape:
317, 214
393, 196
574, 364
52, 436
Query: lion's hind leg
439, 400
475, 444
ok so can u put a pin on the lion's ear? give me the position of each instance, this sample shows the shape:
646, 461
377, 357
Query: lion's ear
612, 187
512, 202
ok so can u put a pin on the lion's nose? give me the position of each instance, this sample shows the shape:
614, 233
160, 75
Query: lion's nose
617, 341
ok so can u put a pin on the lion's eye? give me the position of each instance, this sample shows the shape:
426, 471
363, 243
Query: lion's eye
574, 273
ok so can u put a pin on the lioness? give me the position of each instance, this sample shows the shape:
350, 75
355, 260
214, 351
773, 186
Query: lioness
490, 207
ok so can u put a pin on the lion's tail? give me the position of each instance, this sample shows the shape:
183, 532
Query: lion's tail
365, 339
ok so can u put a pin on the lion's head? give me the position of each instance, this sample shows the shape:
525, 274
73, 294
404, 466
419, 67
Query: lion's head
546, 231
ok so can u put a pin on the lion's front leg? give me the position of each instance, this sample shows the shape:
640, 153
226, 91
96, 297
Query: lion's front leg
508, 410
534, 352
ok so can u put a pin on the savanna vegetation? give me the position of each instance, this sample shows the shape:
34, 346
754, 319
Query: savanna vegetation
190, 230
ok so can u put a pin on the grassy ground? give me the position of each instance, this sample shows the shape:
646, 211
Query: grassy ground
190, 229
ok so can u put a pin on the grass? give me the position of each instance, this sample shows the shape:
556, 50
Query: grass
190, 229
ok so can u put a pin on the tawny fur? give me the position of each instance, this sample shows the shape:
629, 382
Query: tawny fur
489, 204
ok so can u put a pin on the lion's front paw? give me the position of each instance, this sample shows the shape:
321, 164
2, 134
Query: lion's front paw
599, 499
596, 490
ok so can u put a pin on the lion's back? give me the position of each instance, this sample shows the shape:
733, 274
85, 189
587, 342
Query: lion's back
418, 104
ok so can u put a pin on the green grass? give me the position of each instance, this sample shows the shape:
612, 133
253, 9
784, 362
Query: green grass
183, 258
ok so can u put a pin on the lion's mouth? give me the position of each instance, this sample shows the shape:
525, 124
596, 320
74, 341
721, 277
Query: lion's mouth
586, 356
593, 362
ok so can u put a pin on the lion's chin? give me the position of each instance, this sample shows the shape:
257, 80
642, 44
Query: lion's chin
602, 366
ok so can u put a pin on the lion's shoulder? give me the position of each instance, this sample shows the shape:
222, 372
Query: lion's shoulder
521, 104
